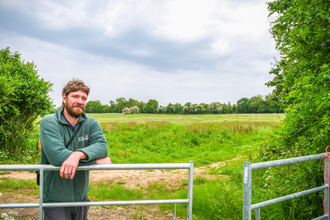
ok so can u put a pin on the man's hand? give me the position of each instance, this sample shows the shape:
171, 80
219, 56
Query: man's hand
105, 160
69, 166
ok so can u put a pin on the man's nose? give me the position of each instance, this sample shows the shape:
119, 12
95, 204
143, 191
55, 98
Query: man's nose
80, 100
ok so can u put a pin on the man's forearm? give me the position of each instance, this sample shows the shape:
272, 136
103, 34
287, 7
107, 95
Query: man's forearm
69, 166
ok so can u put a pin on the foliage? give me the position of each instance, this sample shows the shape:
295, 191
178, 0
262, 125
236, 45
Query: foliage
215, 108
135, 110
24, 97
151, 106
301, 80
126, 111
256, 104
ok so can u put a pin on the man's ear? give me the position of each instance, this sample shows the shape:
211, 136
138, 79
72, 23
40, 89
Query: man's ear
64, 98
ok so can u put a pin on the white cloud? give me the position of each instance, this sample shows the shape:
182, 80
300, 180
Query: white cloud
171, 51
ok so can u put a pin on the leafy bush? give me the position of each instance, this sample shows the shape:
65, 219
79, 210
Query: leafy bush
126, 111
24, 98
135, 110
215, 108
301, 80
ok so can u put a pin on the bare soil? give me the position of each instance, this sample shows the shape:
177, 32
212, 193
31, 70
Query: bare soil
131, 179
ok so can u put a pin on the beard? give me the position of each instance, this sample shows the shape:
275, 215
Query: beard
74, 112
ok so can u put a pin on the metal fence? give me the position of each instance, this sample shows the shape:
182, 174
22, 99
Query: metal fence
43, 168
247, 185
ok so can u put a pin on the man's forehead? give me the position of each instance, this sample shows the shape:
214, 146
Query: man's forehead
79, 92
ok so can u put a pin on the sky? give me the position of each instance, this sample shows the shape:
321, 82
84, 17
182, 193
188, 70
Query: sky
173, 51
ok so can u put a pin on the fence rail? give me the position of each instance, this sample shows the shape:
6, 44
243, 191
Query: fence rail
42, 168
247, 185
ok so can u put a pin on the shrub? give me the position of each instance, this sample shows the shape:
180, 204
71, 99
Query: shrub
24, 98
135, 110
126, 111
215, 108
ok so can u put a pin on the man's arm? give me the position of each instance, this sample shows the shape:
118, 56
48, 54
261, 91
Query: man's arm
58, 155
68, 168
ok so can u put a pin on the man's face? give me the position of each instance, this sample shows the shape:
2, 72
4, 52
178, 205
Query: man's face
75, 103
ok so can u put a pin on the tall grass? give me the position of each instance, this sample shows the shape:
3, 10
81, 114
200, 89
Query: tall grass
232, 142
163, 142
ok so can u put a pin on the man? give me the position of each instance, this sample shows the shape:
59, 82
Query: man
88, 147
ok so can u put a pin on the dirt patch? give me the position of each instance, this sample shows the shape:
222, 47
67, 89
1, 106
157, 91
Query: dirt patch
131, 179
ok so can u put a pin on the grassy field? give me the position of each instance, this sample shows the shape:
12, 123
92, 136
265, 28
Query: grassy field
204, 139
185, 119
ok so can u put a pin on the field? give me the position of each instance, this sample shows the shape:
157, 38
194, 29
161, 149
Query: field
217, 144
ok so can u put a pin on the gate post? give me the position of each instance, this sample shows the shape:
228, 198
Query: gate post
41, 193
190, 190
247, 190
327, 192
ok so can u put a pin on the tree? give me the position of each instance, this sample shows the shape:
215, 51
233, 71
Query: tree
151, 106
254, 103
94, 107
199, 109
24, 98
185, 109
302, 81
126, 111
302, 73
170, 108
215, 108
242, 105
135, 110
178, 108
121, 103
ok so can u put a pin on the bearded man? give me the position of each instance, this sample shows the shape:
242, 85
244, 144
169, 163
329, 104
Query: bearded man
70, 138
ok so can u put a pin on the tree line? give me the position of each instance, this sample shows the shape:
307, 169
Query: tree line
255, 104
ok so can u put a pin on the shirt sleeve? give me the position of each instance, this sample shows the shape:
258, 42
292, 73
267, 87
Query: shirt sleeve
97, 147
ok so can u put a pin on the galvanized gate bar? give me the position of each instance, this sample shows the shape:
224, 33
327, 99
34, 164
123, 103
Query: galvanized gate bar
321, 217
43, 168
275, 163
284, 198
112, 203
99, 167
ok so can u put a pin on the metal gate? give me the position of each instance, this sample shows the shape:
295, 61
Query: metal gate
247, 184
43, 168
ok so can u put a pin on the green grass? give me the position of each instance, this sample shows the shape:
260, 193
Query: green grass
204, 139
185, 119
203, 143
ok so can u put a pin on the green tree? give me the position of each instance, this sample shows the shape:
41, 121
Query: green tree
178, 108
151, 106
94, 107
215, 108
135, 110
254, 103
302, 73
243, 105
301, 80
121, 103
24, 98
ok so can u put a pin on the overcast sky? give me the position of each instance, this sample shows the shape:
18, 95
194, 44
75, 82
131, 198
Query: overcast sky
169, 50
